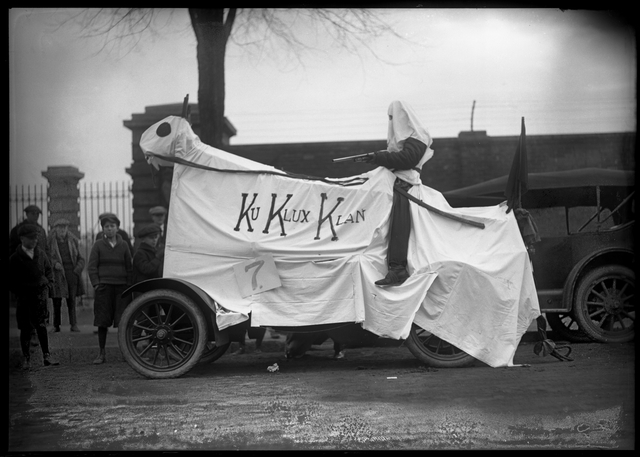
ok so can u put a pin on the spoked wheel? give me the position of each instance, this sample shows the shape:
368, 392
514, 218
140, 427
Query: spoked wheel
605, 307
566, 327
213, 352
162, 334
434, 351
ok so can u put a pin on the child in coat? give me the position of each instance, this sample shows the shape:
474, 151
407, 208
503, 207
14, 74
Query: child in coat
109, 268
30, 278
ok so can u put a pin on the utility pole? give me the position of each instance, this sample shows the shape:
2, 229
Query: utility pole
473, 107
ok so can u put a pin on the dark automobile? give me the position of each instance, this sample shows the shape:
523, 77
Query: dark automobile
584, 265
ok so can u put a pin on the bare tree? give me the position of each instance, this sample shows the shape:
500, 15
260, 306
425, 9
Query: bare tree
261, 29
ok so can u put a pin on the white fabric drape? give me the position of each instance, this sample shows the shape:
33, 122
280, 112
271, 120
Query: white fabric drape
471, 287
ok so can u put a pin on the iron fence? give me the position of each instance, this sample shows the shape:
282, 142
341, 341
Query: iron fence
22, 196
94, 199
97, 198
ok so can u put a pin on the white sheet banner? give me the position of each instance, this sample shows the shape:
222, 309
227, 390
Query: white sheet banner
325, 243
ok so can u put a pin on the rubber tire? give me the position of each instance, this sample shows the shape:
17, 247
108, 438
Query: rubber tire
421, 344
195, 319
212, 352
562, 328
624, 277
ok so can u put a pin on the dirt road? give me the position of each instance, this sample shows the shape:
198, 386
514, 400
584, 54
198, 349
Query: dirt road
375, 398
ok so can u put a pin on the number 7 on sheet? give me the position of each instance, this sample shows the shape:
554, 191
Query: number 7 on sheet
256, 275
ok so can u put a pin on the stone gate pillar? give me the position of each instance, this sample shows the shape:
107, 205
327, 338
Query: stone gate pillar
64, 196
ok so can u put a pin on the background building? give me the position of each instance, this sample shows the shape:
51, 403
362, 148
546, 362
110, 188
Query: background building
470, 158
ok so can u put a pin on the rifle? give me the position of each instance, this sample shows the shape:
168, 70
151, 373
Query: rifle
356, 158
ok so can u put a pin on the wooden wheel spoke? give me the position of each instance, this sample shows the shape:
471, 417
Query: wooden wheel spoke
168, 316
190, 343
141, 338
604, 317
622, 324
626, 314
179, 350
186, 329
172, 325
138, 325
149, 318
158, 312
596, 311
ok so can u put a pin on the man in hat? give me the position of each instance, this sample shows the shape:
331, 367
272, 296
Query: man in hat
147, 260
30, 277
159, 216
109, 268
32, 214
122, 233
68, 263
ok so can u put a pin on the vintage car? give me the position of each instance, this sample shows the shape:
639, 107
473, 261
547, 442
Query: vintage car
584, 265
249, 245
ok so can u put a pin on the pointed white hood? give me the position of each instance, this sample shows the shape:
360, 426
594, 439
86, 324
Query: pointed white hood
403, 124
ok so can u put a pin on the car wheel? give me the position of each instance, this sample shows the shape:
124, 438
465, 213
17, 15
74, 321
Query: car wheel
434, 351
604, 304
565, 326
162, 334
213, 352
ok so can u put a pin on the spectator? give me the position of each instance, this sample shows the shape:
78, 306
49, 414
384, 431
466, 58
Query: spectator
147, 259
30, 277
122, 233
109, 268
67, 262
159, 216
32, 213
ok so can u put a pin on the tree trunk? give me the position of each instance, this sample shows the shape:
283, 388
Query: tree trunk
212, 34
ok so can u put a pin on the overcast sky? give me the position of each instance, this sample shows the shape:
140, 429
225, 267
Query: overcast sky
565, 72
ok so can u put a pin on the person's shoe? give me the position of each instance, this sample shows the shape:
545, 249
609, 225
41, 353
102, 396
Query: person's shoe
239, 351
56, 328
74, 328
26, 364
100, 359
48, 361
258, 351
393, 278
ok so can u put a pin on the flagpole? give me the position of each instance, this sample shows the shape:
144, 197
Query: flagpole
522, 132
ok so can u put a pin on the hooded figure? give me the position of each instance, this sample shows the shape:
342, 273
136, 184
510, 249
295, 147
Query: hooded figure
408, 148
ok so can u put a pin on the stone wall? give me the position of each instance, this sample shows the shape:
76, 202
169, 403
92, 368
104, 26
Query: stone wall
470, 158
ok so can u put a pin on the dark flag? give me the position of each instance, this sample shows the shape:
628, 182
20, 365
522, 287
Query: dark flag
518, 182
186, 109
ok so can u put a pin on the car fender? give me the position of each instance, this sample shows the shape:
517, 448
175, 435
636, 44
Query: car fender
199, 296
594, 259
